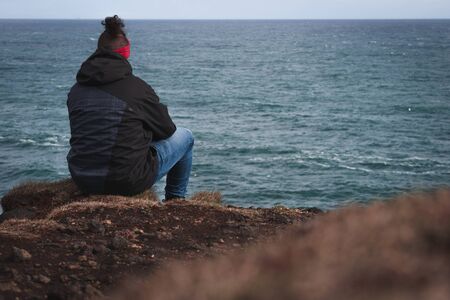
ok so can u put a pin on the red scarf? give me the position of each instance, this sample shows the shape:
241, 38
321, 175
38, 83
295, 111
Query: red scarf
124, 51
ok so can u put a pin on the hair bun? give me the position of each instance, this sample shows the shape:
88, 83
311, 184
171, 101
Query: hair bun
114, 25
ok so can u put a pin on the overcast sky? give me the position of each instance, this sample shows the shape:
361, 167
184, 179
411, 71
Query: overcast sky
226, 9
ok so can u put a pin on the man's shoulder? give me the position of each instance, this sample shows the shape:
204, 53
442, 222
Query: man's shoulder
140, 81
78, 89
140, 85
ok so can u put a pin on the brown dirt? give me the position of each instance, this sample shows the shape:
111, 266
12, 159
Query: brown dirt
56, 243
397, 250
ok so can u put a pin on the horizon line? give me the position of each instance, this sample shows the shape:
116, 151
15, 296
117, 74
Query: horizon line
235, 19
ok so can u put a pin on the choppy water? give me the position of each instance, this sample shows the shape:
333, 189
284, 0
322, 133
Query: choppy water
300, 113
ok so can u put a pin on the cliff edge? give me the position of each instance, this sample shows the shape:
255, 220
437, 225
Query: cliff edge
56, 243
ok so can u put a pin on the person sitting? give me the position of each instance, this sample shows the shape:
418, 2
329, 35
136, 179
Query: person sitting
122, 137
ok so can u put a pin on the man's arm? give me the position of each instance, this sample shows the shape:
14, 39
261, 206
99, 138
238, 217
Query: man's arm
155, 115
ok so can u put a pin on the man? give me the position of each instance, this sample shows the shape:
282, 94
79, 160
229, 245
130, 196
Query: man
123, 139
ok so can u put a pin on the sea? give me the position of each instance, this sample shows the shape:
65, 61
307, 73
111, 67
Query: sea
316, 113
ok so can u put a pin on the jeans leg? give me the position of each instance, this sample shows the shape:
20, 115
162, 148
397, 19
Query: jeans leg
175, 160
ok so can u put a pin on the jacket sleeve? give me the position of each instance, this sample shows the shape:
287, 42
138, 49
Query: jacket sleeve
156, 116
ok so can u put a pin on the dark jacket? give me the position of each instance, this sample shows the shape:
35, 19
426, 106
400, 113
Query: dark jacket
114, 116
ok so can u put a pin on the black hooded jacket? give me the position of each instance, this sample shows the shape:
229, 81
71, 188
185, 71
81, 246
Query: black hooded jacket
114, 116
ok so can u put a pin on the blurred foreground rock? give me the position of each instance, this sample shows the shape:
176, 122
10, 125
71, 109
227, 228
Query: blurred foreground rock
393, 250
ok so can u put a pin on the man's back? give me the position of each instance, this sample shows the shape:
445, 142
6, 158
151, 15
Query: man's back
114, 116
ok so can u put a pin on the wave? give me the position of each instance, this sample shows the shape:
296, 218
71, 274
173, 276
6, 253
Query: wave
355, 168
52, 141
409, 165
28, 141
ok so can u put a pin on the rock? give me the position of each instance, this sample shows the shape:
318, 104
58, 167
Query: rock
79, 246
136, 246
64, 278
82, 258
74, 267
164, 235
9, 287
100, 249
74, 277
118, 242
92, 292
138, 231
192, 245
92, 264
96, 226
82, 248
41, 279
148, 235
20, 255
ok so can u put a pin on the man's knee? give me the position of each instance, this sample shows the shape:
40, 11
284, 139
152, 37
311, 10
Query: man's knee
187, 133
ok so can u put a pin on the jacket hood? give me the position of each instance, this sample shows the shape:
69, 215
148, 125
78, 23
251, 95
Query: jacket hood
102, 67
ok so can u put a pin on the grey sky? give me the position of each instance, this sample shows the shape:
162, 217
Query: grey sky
226, 9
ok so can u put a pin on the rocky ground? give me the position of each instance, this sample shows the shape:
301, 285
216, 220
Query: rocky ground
56, 243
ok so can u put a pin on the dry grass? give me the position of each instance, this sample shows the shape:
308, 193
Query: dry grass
390, 250
28, 229
212, 198
149, 195
98, 203
35, 200
41, 194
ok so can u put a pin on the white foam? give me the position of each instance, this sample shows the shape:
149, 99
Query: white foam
321, 165
52, 139
412, 173
47, 144
28, 141
355, 169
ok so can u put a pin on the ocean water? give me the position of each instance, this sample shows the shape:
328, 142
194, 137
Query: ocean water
298, 113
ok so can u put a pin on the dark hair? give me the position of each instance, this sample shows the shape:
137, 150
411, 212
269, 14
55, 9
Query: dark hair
114, 36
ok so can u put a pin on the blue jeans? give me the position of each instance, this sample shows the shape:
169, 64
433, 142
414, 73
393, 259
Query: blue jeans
175, 161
